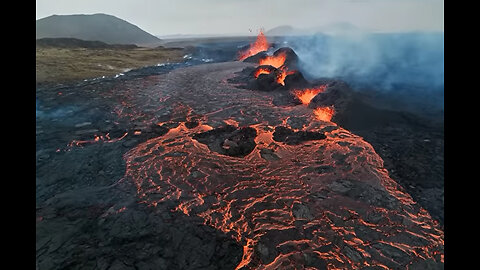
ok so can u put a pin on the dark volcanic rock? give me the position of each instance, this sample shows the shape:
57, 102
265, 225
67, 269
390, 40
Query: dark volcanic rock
255, 58
268, 154
301, 211
263, 67
145, 134
288, 136
364, 192
158, 130
286, 98
229, 140
139, 237
312, 259
265, 82
242, 78
337, 94
268, 82
295, 80
191, 124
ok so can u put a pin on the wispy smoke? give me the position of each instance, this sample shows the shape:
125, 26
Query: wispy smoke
382, 61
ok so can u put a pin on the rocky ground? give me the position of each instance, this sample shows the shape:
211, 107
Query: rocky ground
410, 143
414, 156
122, 183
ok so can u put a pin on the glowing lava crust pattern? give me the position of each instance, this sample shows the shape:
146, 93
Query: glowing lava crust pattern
323, 203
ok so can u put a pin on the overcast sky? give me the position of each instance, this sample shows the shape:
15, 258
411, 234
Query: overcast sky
162, 17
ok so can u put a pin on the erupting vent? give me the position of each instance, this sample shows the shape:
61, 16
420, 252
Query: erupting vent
324, 113
306, 95
275, 60
278, 66
283, 73
260, 45
261, 71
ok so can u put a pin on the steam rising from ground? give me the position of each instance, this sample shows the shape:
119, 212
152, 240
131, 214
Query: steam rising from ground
386, 61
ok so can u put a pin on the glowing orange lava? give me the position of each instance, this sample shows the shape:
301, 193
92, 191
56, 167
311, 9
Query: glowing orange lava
306, 95
274, 61
324, 113
261, 44
96, 138
282, 75
261, 71
285, 204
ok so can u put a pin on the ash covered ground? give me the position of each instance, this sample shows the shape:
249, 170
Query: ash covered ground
185, 166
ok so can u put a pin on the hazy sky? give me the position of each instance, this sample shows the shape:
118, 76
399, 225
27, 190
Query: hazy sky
162, 17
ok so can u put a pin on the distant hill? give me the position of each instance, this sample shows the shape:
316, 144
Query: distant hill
98, 27
78, 43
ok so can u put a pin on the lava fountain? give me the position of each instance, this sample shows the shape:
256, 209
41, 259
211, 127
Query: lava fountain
306, 95
261, 44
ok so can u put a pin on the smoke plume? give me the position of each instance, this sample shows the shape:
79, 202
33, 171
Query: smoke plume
410, 63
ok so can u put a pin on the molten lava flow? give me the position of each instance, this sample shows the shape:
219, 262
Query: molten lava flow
261, 71
306, 95
287, 205
97, 138
324, 113
260, 45
274, 61
282, 75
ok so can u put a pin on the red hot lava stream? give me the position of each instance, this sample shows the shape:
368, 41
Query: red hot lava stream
306, 95
324, 113
328, 200
261, 202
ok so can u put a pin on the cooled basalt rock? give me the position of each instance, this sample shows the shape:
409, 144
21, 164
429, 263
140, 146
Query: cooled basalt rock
255, 58
291, 137
337, 94
268, 81
295, 80
268, 154
265, 82
229, 140
286, 98
191, 124
158, 130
